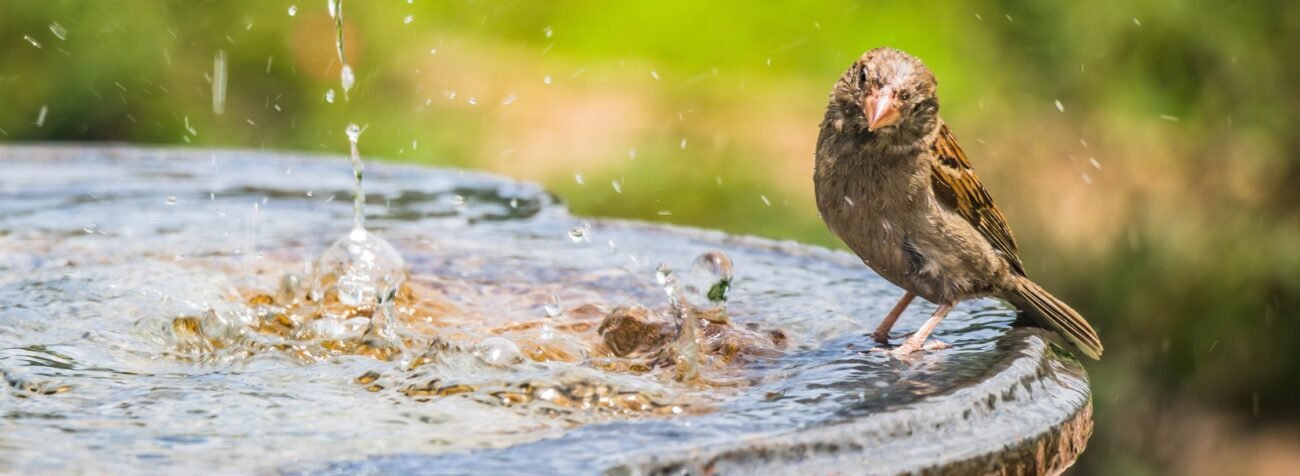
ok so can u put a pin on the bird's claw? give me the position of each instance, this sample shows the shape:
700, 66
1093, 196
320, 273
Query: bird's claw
908, 348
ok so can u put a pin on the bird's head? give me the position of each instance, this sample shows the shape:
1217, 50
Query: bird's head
888, 93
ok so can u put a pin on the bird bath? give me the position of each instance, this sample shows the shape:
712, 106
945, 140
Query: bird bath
154, 318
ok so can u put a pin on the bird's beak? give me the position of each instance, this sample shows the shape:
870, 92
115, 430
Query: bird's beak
880, 111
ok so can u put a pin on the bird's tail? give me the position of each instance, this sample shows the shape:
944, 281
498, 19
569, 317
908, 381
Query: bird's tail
1048, 311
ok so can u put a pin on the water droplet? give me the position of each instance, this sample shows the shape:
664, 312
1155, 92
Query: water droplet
32, 41
90, 228
219, 82
349, 80
408, 19
683, 144
433, 51
293, 10
509, 99
552, 306
546, 79
654, 74
548, 32
59, 31
329, 96
618, 187
334, 8
40, 116
171, 200
1094, 162
765, 200
1059, 106
353, 132
577, 177
473, 101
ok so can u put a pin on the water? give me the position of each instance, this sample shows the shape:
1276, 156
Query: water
347, 78
138, 339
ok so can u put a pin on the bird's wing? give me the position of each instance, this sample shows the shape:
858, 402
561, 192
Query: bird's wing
956, 186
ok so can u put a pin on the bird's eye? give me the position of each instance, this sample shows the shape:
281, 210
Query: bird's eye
904, 95
862, 76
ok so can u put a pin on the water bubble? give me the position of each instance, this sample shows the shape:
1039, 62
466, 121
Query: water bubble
358, 270
708, 282
293, 10
581, 233
552, 306
59, 31
498, 351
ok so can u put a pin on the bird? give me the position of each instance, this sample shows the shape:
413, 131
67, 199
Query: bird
893, 184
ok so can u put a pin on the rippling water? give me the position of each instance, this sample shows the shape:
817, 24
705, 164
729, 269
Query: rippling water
102, 250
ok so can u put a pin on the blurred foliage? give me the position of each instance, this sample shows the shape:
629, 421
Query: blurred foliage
1159, 197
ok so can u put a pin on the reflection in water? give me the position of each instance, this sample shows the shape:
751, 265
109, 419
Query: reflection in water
120, 311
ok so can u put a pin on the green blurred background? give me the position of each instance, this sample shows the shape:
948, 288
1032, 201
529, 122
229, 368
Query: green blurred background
1160, 196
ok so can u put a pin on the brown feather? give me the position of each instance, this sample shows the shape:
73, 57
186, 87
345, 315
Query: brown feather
956, 186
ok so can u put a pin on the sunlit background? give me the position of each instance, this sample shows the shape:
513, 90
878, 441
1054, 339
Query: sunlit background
1146, 153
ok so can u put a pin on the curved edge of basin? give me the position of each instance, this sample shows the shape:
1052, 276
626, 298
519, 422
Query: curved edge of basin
945, 434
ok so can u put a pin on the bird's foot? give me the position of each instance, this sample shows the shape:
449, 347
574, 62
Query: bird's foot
908, 347
881, 337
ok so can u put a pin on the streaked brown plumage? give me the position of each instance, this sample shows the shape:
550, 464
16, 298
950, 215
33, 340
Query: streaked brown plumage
895, 186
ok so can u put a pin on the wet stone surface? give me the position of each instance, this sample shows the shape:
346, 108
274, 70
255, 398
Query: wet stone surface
165, 310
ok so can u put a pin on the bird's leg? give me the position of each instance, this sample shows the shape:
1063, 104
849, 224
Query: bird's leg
882, 332
918, 340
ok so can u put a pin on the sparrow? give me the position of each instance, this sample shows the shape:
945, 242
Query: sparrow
893, 184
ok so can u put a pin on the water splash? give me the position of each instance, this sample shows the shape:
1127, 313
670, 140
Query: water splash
360, 270
358, 194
